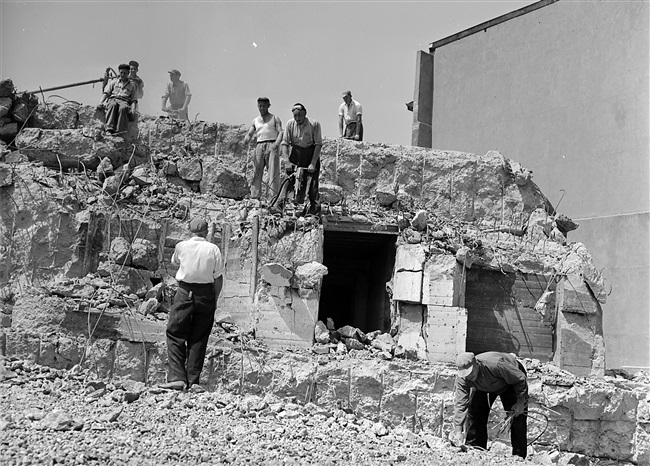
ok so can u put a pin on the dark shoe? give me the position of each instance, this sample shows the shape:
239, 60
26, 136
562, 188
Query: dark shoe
110, 130
175, 385
196, 388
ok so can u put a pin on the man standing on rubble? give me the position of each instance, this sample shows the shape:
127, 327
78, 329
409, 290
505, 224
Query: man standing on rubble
118, 95
479, 381
200, 279
301, 146
179, 95
267, 129
350, 125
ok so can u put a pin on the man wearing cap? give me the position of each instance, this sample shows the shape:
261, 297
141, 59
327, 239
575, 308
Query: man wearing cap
118, 95
301, 146
480, 380
267, 129
179, 95
200, 279
350, 125
134, 67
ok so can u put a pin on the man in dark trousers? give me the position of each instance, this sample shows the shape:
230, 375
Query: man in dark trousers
200, 279
301, 147
479, 381
117, 99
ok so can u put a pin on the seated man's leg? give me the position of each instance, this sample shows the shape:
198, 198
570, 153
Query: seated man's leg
477, 419
112, 107
123, 116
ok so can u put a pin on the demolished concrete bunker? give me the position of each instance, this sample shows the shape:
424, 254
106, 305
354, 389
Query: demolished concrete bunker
420, 254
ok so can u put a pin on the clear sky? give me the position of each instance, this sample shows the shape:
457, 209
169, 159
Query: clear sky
230, 53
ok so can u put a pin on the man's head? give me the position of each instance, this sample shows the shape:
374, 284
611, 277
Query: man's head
263, 104
134, 67
124, 71
347, 97
467, 366
174, 76
198, 227
299, 112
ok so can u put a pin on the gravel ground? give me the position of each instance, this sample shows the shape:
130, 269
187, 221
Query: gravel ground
61, 417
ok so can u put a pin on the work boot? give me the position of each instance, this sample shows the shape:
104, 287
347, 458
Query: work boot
196, 388
175, 385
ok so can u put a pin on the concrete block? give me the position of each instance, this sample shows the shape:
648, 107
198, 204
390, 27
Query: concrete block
409, 257
407, 286
575, 296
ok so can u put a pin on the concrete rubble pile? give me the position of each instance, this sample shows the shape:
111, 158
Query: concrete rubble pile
15, 111
89, 223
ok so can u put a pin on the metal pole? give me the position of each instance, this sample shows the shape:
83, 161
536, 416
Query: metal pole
92, 81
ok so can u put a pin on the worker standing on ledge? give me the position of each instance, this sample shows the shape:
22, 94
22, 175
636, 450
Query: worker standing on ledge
179, 95
479, 381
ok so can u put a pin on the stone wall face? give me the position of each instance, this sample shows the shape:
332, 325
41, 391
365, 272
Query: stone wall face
92, 220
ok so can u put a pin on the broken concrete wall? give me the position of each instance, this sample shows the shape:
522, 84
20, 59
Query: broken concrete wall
291, 272
109, 212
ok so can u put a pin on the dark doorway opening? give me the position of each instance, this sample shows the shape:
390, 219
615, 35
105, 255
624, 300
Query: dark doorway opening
354, 290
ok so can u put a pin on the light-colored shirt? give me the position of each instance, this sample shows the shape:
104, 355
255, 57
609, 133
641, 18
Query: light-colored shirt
269, 130
350, 114
306, 135
139, 88
496, 371
118, 89
177, 93
200, 261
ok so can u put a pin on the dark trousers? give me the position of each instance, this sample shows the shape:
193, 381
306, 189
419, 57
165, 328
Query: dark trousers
477, 419
117, 115
351, 130
188, 329
308, 182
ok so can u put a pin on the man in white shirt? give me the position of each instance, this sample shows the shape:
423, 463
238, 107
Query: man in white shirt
350, 124
200, 279
267, 129
179, 95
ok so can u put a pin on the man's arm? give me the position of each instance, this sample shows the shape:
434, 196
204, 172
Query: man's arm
218, 285
318, 143
278, 140
250, 133
341, 125
461, 403
286, 141
108, 90
358, 128
188, 97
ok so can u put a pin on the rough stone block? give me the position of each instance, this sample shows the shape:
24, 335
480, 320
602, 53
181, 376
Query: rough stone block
276, 274
130, 360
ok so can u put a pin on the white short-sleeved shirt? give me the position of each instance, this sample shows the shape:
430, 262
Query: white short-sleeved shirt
200, 261
350, 114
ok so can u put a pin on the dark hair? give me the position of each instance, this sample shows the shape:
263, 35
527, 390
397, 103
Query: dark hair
264, 99
124, 66
299, 106
134, 63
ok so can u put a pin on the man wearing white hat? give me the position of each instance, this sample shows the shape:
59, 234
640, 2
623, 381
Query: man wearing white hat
480, 380
179, 95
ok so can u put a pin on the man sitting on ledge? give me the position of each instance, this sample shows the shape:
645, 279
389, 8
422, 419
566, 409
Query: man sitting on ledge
118, 95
